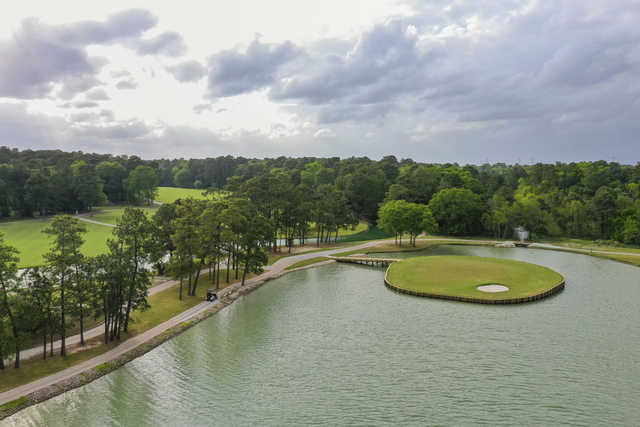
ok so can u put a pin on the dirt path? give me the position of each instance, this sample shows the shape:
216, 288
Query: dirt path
83, 217
89, 333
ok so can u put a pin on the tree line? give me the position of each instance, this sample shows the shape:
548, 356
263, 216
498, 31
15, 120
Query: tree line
48, 182
185, 237
595, 200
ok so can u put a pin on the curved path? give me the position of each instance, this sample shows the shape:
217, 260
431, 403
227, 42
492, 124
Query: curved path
275, 270
89, 333
83, 217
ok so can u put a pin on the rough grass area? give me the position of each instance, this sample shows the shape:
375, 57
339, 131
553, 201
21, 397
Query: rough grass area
27, 236
459, 276
171, 194
307, 262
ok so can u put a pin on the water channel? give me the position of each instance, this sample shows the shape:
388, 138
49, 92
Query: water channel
333, 346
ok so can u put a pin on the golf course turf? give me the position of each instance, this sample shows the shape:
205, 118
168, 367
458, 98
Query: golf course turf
458, 278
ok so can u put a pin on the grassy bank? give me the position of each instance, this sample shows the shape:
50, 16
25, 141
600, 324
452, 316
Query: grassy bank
459, 276
307, 262
164, 305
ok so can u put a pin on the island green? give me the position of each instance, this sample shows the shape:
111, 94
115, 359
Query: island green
458, 277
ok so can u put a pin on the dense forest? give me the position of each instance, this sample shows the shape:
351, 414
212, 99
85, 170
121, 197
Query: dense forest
595, 200
256, 207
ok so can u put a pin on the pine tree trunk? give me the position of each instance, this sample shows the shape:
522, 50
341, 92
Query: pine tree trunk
218, 274
63, 328
246, 266
17, 364
81, 326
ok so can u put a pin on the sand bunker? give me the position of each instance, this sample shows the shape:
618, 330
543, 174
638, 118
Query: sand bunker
492, 288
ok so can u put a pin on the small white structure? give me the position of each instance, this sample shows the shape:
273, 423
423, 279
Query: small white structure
521, 233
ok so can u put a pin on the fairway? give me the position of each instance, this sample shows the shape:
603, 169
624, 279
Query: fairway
27, 237
171, 194
460, 277
111, 214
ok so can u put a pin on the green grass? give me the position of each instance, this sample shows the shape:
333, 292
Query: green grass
112, 214
171, 194
307, 262
366, 234
13, 404
459, 276
26, 236
599, 245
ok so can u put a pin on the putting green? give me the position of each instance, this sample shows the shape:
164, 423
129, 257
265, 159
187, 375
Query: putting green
458, 278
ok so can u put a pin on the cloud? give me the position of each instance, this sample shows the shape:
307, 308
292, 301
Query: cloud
168, 43
201, 108
39, 56
93, 117
324, 133
97, 95
79, 104
126, 84
188, 71
233, 73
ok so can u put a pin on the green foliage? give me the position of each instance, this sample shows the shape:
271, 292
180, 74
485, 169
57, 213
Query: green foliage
458, 211
399, 217
142, 185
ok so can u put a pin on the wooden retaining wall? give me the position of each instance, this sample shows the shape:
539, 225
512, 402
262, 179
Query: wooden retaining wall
366, 260
531, 298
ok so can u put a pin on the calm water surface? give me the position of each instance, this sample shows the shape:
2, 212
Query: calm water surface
333, 346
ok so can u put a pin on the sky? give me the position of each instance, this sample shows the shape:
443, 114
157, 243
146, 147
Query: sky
462, 81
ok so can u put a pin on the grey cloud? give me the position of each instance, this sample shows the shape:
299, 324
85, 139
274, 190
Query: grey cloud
233, 73
102, 116
534, 63
39, 56
120, 26
97, 95
473, 144
168, 44
201, 108
120, 73
126, 84
79, 104
123, 130
188, 71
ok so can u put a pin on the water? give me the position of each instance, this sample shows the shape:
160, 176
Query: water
333, 346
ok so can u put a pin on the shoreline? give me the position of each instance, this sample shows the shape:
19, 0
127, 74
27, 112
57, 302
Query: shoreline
86, 376
202, 312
